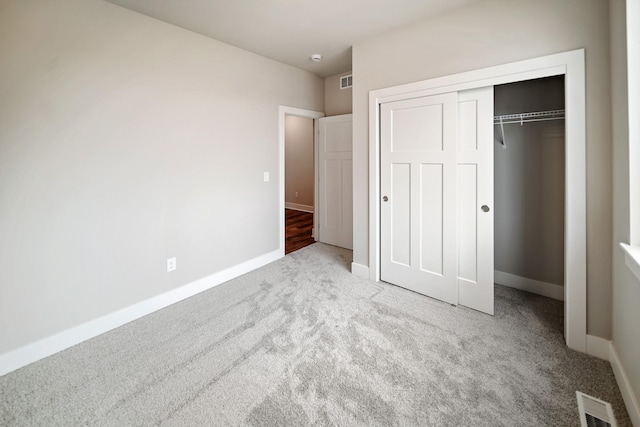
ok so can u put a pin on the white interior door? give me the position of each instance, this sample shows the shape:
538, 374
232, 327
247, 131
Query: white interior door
437, 196
418, 188
335, 181
475, 199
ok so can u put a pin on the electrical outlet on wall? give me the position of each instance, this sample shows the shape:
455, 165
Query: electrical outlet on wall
296, 194
171, 264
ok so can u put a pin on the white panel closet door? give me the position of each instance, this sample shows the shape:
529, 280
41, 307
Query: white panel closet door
475, 199
335, 186
418, 189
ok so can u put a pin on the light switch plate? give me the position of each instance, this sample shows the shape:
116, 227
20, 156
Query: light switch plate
266, 177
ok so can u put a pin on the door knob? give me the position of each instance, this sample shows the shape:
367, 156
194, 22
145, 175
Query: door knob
385, 199
485, 208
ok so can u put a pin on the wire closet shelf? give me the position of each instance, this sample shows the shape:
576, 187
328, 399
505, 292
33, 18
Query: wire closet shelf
537, 116
522, 118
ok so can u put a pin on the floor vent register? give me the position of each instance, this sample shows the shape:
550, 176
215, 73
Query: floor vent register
594, 412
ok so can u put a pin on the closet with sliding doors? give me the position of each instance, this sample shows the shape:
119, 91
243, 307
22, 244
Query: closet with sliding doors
529, 186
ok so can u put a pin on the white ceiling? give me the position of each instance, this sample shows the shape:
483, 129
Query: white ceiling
290, 31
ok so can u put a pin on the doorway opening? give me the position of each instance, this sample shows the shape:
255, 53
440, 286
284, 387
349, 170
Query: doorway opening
299, 183
292, 114
529, 186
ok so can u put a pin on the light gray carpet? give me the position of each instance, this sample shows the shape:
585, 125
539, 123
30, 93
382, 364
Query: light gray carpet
303, 342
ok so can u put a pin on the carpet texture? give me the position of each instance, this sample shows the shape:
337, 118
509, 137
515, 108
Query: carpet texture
303, 342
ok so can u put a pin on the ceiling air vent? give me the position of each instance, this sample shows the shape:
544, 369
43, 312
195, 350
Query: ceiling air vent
594, 412
346, 82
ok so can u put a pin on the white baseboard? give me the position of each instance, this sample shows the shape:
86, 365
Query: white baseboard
297, 207
534, 286
628, 395
33, 352
359, 270
598, 347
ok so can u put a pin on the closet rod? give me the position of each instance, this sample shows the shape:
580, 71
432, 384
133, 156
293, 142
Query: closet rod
537, 116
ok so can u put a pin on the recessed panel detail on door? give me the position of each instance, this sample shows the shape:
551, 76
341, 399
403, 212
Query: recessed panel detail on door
468, 134
333, 198
346, 166
401, 213
468, 222
417, 129
431, 212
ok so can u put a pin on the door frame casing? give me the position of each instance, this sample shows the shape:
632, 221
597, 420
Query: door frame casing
283, 112
571, 64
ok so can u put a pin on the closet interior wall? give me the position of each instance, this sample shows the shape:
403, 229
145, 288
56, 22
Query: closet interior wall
530, 183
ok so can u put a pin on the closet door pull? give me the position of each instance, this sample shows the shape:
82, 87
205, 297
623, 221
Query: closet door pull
485, 208
385, 199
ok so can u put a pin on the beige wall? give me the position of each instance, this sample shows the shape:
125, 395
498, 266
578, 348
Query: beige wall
299, 166
529, 183
626, 288
124, 142
483, 34
337, 101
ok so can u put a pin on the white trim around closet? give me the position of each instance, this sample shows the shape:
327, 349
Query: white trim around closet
570, 64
